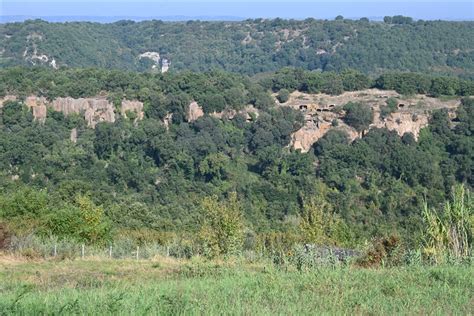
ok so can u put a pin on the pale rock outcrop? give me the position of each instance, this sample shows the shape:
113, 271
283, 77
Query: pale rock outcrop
6, 98
33, 101
249, 112
70, 105
404, 122
194, 112
95, 109
167, 120
321, 51
352, 133
154, 56
247, 39
410, 117
38, 106
53, 64
401, 122
306, 136
73, 136
165, 65
132, 106
40, 112
34, 57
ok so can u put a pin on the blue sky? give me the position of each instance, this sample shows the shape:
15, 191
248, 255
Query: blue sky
421, 9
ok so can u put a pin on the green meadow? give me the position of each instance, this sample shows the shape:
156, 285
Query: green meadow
167, 286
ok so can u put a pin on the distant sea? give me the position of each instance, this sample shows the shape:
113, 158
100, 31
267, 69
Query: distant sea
234, 10
111, 19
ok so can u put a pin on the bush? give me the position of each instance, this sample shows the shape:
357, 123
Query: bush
222, 230
383, 251
358, 115
283, 95
82, 221
5, 236
390, 108
320, 225
449, 234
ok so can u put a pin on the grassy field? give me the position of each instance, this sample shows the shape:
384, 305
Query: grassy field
169, 287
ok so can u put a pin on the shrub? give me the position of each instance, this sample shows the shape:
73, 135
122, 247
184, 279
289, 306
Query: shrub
358, 115
283, 95
448, 234
96, 227
83, 221
222, 230
320, 225
4, 236
383, 251
389, 108
131, 115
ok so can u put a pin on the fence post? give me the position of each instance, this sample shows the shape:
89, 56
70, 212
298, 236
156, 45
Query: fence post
138, 249
82, 251
167, 251
55, 252
110, 251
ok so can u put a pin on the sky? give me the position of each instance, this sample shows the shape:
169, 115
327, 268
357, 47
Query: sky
209, 9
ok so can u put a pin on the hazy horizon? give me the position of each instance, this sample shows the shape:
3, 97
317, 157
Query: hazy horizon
108, 11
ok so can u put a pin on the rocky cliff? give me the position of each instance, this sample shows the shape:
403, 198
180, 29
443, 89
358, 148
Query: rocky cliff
323, 112
403, 122
132, 106
249, 113
95, 109
194, 112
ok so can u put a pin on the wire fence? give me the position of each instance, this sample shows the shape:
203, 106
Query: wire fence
303, 256
31, 246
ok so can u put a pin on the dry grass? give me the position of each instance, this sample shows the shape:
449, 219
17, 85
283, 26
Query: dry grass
10, 259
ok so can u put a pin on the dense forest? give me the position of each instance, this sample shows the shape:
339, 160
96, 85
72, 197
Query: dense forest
143, 178
250, 46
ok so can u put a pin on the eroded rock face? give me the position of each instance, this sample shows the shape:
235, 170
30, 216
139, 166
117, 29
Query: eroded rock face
38, 106
154, 56
33, 101
165, 65
7, 98
73, 136
167, 120
403, 122
70, 106
309, 134
40, 112
320, 110
31, 53
194, 112
248, 112
132, 106
95, 109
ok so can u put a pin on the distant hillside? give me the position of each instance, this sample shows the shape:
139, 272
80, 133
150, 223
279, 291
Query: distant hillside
150, 148
249, 47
